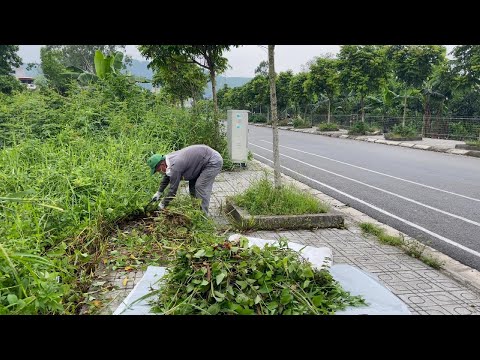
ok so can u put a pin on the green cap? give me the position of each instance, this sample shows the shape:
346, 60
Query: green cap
154, 160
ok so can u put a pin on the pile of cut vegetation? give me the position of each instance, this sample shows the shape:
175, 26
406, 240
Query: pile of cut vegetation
229, 277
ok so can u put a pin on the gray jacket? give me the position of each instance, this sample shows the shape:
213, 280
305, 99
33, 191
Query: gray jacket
185, 164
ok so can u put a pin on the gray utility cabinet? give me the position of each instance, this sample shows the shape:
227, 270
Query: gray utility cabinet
237, 135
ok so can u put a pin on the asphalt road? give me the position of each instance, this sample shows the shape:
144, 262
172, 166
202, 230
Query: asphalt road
433, 197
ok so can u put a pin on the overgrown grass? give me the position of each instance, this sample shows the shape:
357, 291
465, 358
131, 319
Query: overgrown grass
413, 249
473, 142
70, 167
262, 198
327, 127
403, 132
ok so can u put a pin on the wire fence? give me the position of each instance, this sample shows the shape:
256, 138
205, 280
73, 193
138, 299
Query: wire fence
437, 127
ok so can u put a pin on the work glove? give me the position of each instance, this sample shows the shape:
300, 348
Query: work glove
156, 196
161, 206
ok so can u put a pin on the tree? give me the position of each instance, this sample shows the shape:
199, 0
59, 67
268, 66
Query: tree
282, 87
363, 69
209, 57
323, 79
82, 56
299, 97
181, 80
262, 69
53, 69
9, 59
273, 107
413, 65
467, 64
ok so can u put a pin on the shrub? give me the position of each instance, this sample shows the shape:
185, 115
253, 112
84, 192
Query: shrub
327, 127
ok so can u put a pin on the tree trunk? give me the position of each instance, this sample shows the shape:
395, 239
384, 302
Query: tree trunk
404, 109
215, 107
363, 108
273, 105
328, 114
426, 115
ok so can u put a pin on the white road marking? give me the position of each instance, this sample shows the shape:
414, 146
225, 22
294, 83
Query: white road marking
380, 189
378, 172
440, 237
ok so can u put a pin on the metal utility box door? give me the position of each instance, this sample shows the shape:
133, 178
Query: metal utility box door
237, 135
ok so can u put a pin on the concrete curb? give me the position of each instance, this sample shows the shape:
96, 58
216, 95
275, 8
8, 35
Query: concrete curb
330, 219
464, 274
453, 151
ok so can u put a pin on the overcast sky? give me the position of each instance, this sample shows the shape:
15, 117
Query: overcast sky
243, 60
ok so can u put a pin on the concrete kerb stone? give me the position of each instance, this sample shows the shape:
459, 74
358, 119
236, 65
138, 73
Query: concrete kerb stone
330, 219
385, 142
464, 274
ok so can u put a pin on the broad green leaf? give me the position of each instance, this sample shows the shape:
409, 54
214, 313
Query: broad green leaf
272, 305
317, 300
213, 309
307, 272
220, 277
264, 289
12, 299
243, 311
199, 253
209, 252
286, 297
242, 284
204, 282
257, 299
99, 64
242, 299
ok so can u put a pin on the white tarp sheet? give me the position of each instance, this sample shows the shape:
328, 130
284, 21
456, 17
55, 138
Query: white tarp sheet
380, 300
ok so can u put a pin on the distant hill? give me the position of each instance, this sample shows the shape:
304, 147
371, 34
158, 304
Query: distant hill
222, 80
139, 68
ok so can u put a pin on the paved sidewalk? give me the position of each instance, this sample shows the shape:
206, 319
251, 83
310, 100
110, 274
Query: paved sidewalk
438, 145
455, 290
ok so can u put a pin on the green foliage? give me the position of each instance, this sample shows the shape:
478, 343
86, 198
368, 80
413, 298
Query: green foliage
181, 80
299, 123
414, 64
9, 59
262, 198
82, 56
473, 143
407, 131
359, 128
459, 130
467, 64
219, 278
262, 68
363, 68
53, 69
370, 228
323, 78
84, 153
327, 127
258, 118
9, 84
412, 248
